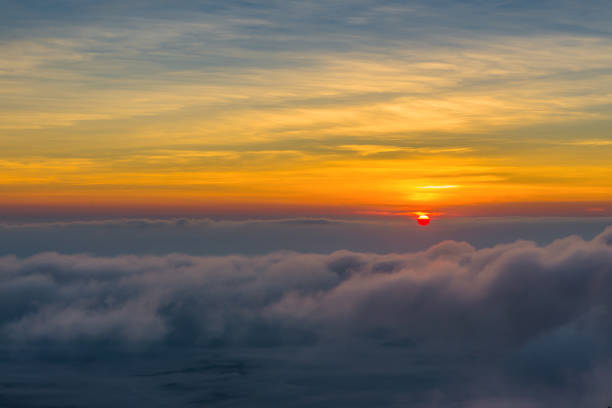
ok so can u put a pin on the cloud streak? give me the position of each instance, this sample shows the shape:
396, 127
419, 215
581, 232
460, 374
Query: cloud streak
351, 91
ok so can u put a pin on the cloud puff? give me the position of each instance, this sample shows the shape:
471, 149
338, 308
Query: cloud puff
525, 314
510, 292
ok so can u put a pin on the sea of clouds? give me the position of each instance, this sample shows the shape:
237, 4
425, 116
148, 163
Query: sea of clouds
516, 324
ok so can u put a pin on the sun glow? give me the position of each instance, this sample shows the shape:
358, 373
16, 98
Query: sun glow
440, 187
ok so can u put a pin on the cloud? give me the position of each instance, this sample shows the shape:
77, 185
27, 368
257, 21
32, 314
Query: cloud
527, 314
325, 95
168, 222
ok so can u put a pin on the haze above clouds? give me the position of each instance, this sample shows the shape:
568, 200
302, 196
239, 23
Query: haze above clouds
199, 236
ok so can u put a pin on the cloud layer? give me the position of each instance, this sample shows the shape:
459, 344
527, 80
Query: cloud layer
531, 322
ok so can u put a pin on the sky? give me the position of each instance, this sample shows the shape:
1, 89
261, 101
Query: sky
212, 203
306, 107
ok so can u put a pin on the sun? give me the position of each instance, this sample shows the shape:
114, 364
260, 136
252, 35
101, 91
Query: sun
423, 219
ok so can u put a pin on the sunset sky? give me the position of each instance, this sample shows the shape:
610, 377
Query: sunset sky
360, 107
306, 203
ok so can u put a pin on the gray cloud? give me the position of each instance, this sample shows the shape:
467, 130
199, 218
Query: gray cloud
525, 322
512, 291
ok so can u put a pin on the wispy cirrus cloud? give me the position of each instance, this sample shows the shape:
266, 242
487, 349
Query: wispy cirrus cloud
227, 101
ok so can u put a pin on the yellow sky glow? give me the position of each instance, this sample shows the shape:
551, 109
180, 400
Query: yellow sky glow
502, 121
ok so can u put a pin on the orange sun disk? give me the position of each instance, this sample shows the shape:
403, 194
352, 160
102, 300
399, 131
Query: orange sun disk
423, 220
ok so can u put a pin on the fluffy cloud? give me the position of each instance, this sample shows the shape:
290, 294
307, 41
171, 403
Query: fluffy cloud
525, 314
